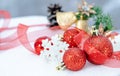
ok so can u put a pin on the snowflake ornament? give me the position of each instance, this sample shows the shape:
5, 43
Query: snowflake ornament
54, 49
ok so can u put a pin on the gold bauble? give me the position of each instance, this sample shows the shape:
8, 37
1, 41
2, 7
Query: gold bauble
65, 19
82, 24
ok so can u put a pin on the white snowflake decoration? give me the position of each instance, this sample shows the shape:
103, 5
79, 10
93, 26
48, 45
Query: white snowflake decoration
54, 49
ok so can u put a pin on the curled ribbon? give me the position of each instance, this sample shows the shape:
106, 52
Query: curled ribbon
21, 37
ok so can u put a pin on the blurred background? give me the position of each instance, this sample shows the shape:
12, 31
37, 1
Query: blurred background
39, 7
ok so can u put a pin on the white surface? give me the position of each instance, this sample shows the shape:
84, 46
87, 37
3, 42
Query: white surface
21, 62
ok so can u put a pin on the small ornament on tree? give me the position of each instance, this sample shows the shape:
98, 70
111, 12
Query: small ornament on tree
52, 10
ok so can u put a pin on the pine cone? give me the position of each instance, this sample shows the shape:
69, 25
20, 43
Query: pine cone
52, 10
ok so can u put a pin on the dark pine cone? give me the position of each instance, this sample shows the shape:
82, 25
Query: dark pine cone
52, 10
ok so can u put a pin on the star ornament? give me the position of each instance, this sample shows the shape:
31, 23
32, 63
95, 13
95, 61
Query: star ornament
86, 9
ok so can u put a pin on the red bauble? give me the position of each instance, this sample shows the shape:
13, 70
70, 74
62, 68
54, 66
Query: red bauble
38, 44
80, 38
68, 36
116, 55
74, 59
98, 49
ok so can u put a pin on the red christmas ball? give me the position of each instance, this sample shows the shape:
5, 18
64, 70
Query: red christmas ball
74, 59
69, 35
80, 38
38, 44
98, 49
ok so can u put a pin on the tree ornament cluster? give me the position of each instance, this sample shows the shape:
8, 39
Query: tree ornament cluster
86, 11
76, 45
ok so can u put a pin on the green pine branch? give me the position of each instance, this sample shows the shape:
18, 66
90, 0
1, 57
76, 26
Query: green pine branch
105, 20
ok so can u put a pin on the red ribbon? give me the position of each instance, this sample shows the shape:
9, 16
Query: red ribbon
22, 37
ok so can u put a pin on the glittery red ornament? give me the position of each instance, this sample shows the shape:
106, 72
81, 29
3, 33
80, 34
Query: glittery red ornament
68, 36
80, 38
98, 49
38, 44
74, 59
